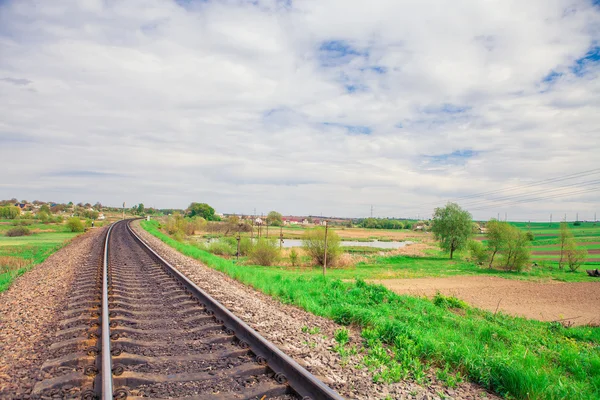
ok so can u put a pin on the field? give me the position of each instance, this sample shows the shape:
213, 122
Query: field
405, 336
18, 254
546, 246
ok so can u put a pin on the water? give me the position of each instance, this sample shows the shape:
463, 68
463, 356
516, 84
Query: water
344, 243
287, 243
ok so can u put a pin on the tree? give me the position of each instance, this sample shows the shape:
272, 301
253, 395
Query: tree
574, 255
274, 218
313, 242
564, 236
451, 226
140, 209
45, 208
202, 210
516, 249
496, 238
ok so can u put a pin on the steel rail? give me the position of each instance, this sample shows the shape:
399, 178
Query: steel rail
107, 380
286, 369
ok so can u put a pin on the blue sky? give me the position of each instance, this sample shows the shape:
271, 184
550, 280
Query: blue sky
303, 107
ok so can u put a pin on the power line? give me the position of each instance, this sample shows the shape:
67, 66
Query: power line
538, 183
588, 190
541, 191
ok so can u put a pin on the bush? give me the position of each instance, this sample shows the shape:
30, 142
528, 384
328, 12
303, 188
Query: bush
477, 251
293, 257
313, 242
530, 236
245, 246
265, 252
18, 231
74, 224
574, 255
223, 247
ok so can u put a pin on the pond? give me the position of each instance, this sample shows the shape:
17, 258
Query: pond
287, 243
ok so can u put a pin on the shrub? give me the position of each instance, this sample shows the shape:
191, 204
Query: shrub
223, 247
18, 231
574, 255
74, 224
265, 252
577, 223
477, 251
530, 236
44, 217
313, 242
293, 257
245, 246
516, 254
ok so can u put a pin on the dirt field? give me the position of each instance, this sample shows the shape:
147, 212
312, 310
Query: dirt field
577, 303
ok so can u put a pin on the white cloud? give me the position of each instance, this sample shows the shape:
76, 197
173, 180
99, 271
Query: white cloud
265, 105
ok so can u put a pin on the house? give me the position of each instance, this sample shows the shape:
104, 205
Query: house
101, 217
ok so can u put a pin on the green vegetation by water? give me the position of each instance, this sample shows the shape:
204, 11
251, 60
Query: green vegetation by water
19, 254
405, 336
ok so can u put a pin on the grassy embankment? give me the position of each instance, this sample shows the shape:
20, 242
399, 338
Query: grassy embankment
19, 254
405, 336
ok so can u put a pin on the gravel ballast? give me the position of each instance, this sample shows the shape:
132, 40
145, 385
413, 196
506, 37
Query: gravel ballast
30, 311
282, 324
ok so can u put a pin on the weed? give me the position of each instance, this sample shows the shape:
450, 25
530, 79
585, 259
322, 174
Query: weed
18, 231
342, 336
449, 302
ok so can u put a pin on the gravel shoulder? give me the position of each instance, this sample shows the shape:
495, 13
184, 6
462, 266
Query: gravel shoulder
282, 324
30, 311
573, 302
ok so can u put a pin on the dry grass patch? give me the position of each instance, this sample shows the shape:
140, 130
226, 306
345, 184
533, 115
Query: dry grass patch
10, 263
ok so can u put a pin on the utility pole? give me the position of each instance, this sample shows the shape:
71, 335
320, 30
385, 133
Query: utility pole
498, 219
280, 237
505, 217
371, 211
325, 256
239, 237
577, 217
123, 210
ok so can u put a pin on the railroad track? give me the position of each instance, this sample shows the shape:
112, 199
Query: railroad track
137, 328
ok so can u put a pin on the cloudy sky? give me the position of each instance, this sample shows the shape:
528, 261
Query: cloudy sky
306, 107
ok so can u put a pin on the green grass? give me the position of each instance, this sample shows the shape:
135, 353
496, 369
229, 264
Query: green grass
404, 336
34, 248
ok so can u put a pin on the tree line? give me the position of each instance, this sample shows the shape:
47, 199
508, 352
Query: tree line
506, 245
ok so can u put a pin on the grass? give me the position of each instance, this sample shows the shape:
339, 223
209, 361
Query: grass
32, 249
405, 336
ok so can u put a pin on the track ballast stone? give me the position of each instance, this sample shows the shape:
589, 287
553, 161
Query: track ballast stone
30, 312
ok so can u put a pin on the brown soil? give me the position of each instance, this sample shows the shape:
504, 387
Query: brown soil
576, 303
557, 252
558, 245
